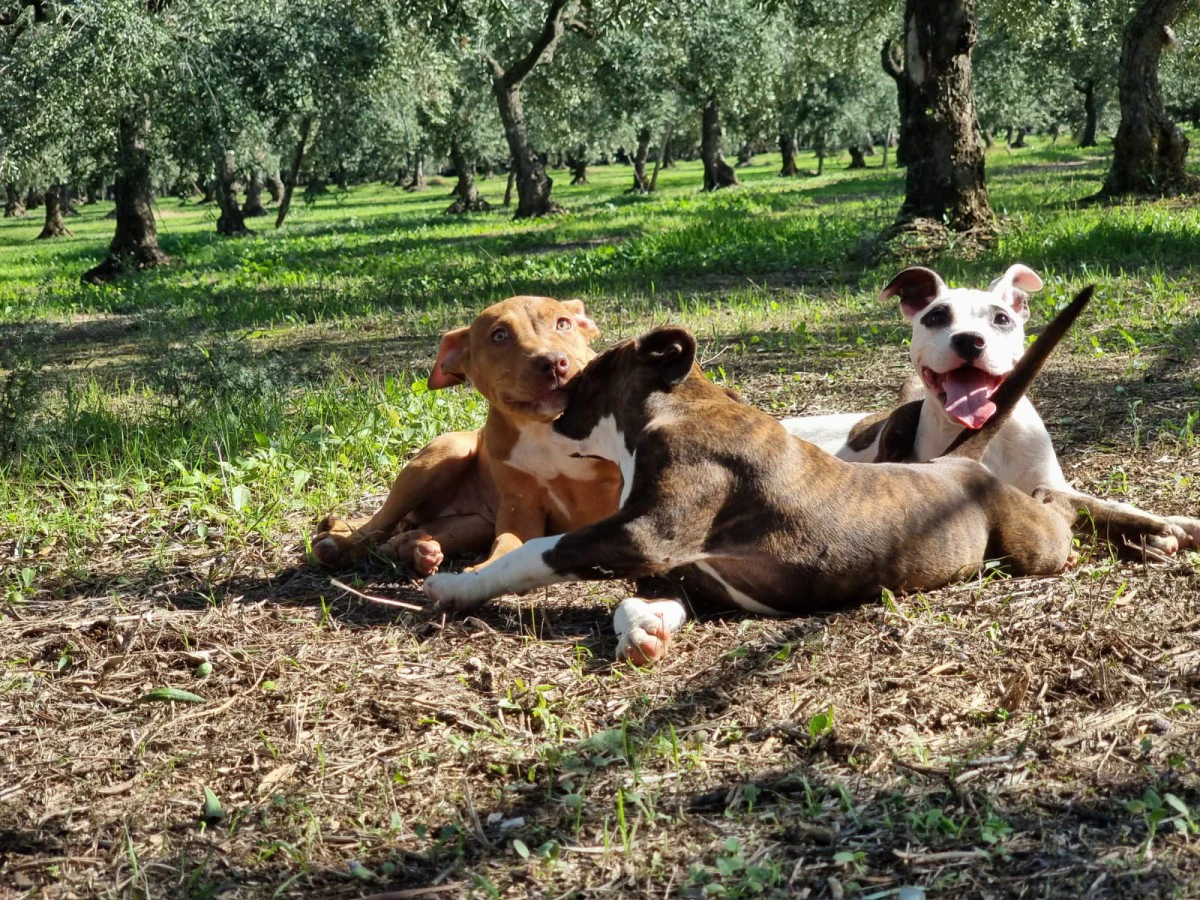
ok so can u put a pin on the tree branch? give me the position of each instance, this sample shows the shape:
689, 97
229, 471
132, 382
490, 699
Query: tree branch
497, 69
543, 47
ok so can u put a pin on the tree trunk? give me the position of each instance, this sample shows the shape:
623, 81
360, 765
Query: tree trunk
857, 159
33, 199
254, 205
662, 155
417, 182
745, 155
1150, 150
13, 207
275, 188
1019, 143
578, 164
508, 187
208, 190
230, 222
65, 201
887, 143
641, 184
293, 174
135, 243
668, 157
820, 161
528, 173
717, 173
1091, 112
787, 146
468, 199
54, 226
945, 177
892, 56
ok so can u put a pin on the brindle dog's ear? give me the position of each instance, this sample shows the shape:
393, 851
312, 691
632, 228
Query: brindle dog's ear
917, 287
671, 351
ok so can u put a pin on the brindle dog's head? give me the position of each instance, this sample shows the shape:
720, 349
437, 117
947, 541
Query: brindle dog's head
620, 382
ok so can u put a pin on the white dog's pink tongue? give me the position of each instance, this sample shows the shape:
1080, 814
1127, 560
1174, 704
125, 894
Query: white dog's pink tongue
967, 397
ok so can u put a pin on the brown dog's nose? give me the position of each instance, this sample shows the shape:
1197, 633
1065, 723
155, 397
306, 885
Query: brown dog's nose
554, 364
968, 344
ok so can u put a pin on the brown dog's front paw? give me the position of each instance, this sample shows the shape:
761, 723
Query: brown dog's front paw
336, 544
427, 556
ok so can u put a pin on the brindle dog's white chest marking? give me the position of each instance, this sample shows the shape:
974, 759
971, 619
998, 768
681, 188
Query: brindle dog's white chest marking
547, 456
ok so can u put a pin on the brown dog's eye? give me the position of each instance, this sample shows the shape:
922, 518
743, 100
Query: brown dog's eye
565, 324
500, 335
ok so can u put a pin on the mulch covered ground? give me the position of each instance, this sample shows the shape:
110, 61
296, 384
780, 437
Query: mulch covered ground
1002, 738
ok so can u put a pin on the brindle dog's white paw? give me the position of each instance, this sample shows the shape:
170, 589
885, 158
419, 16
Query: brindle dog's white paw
644, 629
453, 592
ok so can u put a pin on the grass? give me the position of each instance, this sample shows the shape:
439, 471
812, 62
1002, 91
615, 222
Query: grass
169, 441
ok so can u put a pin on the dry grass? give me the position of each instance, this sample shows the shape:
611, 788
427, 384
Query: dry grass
994, 739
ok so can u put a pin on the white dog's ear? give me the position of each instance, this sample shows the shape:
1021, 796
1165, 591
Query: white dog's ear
916, 287
1015, 286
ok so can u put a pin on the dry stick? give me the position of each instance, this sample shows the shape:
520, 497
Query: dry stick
662, 152
383, 600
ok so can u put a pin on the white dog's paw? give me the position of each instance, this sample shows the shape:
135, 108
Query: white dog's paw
644, 629
454, 592
1189, 536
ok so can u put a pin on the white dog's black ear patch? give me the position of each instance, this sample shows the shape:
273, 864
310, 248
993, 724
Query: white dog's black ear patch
916, 287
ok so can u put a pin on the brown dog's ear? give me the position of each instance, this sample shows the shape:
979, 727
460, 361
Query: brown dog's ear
671, 351
452, 353
582, 321
917, 287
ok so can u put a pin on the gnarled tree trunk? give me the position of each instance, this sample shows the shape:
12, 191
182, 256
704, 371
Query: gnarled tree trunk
275, 187
945, 163
662, 155
717, 173
745, 155
892, 57
230, 222
467, 195
532, 183
1091, 112
33, 198
787, 146
641, 184
54, 225
254, 205
1150, 151
1019, 143
13, 207
135, 243
417, 181
578, 164
857, 159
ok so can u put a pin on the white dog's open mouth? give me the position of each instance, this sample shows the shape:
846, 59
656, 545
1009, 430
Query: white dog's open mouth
966, 393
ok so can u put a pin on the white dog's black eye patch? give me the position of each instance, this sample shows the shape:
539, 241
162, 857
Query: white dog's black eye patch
939, 316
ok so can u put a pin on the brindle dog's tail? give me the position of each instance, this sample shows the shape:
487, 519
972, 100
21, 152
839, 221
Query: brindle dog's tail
971, 444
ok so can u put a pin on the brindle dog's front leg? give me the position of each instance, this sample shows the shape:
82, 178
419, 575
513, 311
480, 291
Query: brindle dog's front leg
615, 547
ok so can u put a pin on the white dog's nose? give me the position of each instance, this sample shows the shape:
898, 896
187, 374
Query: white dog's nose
968, 344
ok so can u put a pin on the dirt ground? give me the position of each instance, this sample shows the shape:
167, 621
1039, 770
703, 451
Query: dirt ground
1000, 738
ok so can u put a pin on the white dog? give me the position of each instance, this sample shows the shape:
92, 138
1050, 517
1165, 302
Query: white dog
964, 343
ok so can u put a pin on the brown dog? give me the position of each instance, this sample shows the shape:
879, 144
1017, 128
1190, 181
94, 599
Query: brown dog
721, 502
512, 480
